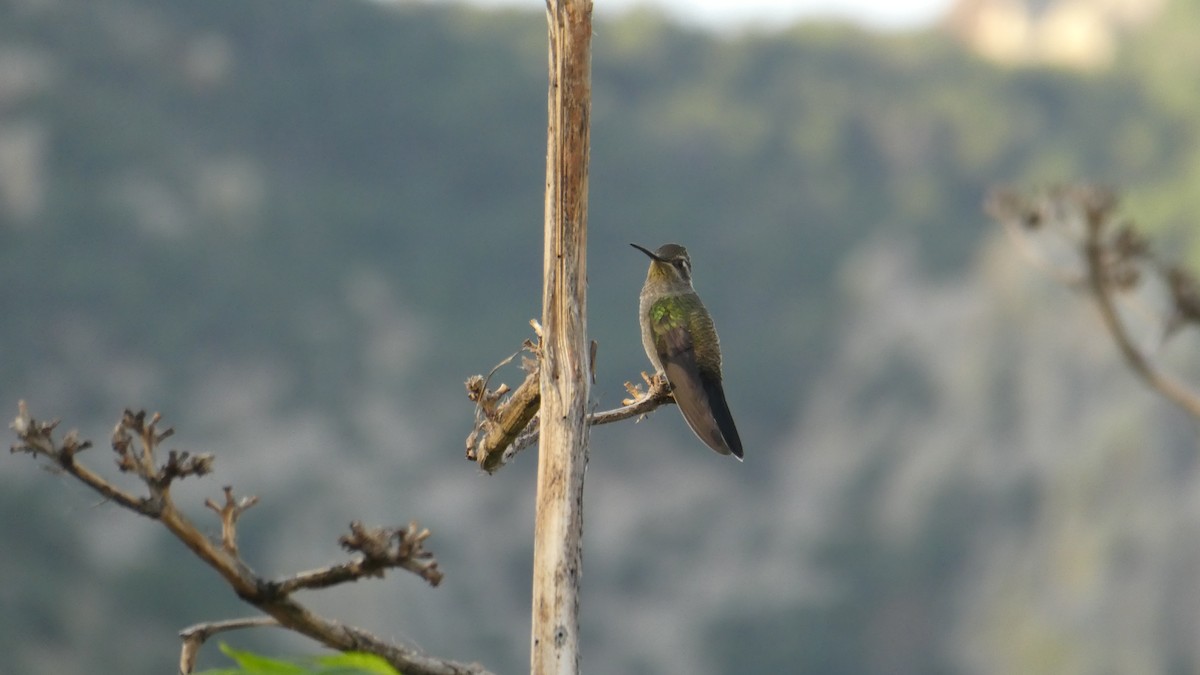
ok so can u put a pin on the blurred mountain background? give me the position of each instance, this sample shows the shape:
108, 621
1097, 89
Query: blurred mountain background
295, 227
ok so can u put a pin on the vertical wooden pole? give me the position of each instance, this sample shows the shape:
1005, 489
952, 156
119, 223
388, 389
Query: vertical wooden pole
565, 377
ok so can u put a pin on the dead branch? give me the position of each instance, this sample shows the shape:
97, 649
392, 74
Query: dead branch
229, 513
136, 439
493, 450
499, 420
639, 404
196, 635
1115, 258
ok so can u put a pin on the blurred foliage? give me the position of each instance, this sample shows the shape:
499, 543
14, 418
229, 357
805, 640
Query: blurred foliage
408, 138
311, 182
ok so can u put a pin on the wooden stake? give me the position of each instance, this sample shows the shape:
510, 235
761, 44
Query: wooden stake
565, 376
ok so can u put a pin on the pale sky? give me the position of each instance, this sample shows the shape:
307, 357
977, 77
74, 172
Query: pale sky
732, 14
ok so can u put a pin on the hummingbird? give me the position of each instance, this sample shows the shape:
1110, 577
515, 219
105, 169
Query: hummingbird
681, 342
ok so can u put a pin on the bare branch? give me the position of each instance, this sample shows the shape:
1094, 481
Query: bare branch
638, 405
229, 512
1115, 258
1185, 293
196, 635
1019, 218
493, 433
1102, 289
502, 448
382, 548
36, 438
499, 420
135, 441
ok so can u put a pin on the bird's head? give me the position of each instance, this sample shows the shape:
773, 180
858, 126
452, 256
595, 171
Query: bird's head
670, 263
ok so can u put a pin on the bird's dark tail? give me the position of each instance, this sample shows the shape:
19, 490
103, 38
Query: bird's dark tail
724, 419
702, 401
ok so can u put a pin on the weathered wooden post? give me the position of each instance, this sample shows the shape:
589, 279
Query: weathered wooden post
565, 376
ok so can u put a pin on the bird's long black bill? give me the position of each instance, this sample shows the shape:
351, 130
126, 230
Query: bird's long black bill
648, 252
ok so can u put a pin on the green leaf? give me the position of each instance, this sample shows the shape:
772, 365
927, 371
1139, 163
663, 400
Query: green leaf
254, 664
352, 663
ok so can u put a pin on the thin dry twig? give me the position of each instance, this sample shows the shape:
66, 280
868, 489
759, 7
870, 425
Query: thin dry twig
382, 548
196, 635
229, 512
135, 440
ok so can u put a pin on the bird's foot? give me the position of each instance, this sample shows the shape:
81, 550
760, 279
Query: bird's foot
654, 384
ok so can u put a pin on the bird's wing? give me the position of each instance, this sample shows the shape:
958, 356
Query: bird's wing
701, 398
